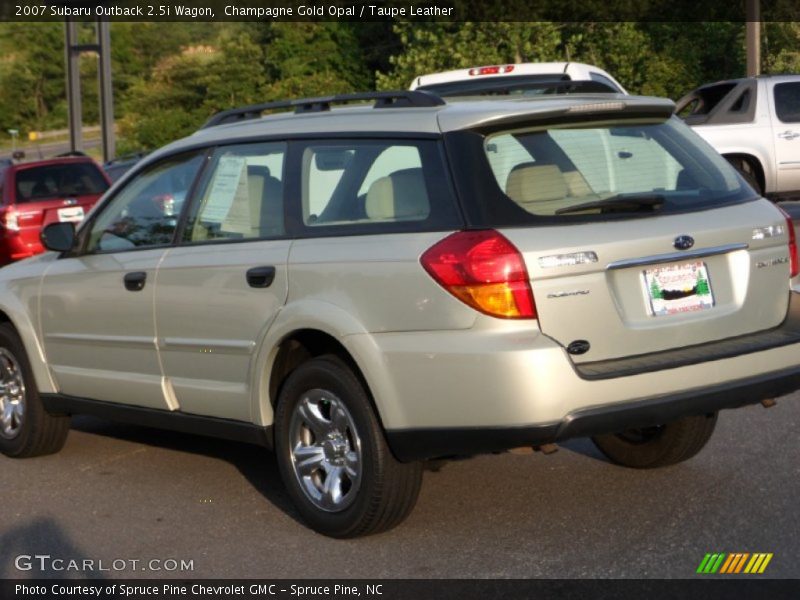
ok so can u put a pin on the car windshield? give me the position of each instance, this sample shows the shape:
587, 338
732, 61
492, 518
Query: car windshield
518, 85
59, 181
624, 167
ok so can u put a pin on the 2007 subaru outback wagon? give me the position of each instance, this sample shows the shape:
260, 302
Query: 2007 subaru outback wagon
365, 287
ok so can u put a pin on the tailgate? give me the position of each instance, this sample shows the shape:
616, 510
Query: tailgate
644, 293
35, 216
70, 209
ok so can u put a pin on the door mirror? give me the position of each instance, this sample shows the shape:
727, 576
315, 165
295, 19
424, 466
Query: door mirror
59, 237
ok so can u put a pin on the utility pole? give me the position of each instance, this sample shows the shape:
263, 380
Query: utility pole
73, 51
753, 37
74, 109
106, 91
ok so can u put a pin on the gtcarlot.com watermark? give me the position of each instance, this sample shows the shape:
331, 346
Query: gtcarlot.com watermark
48, 563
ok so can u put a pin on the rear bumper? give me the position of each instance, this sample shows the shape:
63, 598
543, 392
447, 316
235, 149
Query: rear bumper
505, 384
14, 247
416, 444
786, 334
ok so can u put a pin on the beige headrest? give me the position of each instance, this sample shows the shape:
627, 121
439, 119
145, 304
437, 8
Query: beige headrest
536, 183
401, 195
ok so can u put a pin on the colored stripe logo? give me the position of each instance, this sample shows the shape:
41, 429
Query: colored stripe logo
734, 563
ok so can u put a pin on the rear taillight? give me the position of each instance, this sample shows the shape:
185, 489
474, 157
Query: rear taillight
10, 221
794, 262
484, 270
493, 70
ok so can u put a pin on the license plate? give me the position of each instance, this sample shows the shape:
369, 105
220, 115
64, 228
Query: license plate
678, 288
73, 214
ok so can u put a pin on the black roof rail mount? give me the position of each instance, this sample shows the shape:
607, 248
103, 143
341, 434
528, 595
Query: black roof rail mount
396, 99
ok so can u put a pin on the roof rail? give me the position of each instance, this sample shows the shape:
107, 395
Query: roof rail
398, 99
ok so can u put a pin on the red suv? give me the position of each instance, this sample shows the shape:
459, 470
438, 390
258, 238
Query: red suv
37, 193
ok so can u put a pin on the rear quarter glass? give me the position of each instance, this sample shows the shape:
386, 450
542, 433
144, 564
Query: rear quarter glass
564, 172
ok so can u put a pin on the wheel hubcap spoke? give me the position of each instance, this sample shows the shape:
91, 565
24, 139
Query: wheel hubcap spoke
308, 459
12, 396
7, 412
325, 450
339, 419
352, 464
332, 488
313, 419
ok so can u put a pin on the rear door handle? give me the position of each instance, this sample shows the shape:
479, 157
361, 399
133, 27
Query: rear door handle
134, 282
788, 135
261, 277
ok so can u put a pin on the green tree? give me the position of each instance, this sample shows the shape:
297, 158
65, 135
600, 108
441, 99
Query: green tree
32, 76
313, 59
185, 89
781, 43
431, 47
655, 290
136, 48
702, 286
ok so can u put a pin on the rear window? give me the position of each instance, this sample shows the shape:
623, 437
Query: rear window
59, 181
595, 170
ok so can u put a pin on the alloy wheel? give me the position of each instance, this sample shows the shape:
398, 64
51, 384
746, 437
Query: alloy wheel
325, 450
12, 396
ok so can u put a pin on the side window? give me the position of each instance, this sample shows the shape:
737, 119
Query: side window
787, 102
242, 195
742, 103
366, 182
145, 212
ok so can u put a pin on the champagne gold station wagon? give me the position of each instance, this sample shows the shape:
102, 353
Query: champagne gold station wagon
365, 287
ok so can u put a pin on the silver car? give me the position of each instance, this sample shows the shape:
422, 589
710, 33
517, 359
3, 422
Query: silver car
363, 288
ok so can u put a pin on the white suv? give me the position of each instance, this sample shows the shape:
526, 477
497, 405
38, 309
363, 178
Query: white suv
367, 287
755, 123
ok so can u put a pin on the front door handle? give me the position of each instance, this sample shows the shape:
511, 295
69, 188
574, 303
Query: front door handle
788, 135
134, 282
261, 277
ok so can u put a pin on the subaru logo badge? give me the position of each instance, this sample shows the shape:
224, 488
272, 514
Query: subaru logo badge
683, 242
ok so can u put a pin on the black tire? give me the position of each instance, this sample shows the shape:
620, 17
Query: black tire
652, 447
383, 491
35, 432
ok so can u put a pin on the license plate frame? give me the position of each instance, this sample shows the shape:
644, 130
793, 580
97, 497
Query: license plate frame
71, 214
678, 288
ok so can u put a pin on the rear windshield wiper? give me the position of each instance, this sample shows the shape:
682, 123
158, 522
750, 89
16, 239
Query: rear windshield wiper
619, 203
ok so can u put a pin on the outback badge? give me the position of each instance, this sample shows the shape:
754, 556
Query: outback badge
683, 242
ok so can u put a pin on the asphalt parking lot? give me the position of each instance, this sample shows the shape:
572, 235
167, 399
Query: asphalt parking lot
126, 493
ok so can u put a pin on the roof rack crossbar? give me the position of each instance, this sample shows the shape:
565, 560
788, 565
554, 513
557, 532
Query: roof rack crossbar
397, 99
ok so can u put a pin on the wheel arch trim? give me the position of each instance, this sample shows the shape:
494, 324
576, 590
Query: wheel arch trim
17, 316
760, 164
338, 324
